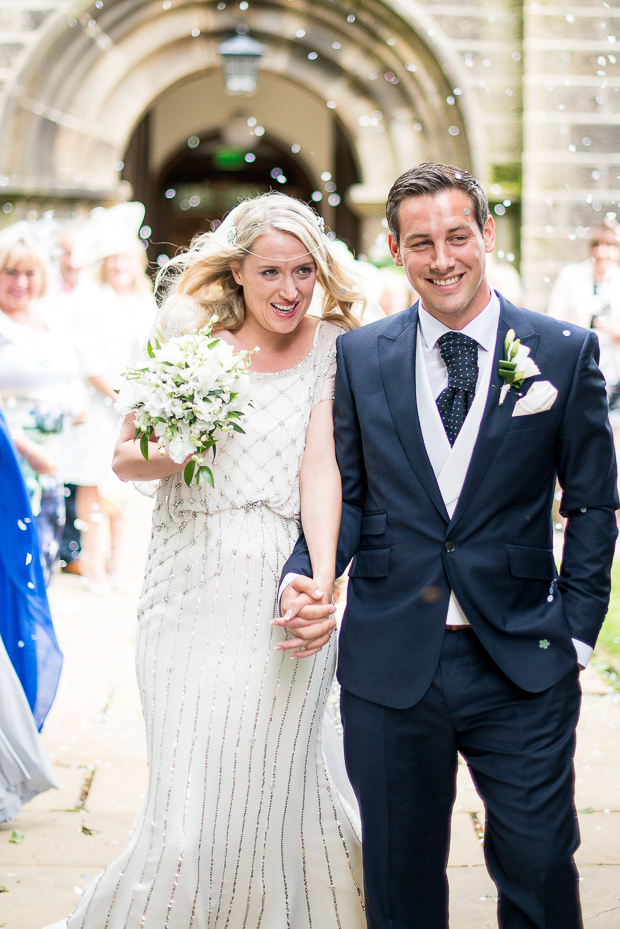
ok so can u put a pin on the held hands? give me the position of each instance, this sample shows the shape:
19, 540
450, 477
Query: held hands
309, 612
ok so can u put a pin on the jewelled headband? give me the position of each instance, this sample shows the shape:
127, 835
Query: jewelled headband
231, 236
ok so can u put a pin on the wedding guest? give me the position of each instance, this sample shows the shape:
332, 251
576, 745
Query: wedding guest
112, 317
30, 659
25, 769
38, 380
396, 295
588, 294
25, 622
67, 279
69, 274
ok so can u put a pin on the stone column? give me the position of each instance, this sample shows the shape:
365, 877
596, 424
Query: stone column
571, 135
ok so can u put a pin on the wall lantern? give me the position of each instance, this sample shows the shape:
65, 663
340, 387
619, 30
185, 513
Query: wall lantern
241, 57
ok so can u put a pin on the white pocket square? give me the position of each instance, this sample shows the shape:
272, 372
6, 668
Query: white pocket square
540, 397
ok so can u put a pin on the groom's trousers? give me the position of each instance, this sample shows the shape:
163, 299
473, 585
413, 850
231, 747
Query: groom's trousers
519, 747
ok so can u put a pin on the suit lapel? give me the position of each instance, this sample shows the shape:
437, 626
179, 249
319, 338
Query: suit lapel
397, 360
496, 418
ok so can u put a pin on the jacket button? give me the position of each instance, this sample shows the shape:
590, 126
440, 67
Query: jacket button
449, 546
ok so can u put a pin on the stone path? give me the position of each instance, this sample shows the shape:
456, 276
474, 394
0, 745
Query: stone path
94, 735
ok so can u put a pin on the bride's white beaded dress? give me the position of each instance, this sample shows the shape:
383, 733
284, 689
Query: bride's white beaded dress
241, 826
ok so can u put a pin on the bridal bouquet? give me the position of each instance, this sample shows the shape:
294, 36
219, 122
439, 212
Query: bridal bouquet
194, 389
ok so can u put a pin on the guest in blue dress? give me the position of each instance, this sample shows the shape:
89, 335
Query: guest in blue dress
25, 622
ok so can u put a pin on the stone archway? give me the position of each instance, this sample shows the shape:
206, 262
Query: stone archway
78, 101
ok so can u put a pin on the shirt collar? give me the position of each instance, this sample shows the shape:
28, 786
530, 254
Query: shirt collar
483, 328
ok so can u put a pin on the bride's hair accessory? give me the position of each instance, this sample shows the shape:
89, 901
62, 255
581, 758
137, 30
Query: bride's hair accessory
230, 230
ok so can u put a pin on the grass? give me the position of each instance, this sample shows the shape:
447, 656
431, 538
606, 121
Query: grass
609, 639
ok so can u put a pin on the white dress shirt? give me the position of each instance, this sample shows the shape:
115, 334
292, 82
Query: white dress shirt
483, 329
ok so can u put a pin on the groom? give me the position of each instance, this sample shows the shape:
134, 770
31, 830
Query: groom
459, 634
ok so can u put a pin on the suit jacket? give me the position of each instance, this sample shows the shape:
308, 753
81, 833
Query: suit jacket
496, 551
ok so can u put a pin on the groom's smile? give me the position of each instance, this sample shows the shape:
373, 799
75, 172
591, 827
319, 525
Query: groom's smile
443, 252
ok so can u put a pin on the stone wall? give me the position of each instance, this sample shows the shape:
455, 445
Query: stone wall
571, 131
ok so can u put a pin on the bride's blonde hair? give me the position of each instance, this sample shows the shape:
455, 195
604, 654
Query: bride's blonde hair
203, 271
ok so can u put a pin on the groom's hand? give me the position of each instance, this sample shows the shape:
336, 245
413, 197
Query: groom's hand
303, 612
302, 598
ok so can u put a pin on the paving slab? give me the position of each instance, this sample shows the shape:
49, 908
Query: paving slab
465, 846
472, 898
44, 893
600, 839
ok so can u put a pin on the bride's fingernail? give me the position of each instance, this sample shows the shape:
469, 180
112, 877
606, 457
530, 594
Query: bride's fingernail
288, 615
317, 593
278, 648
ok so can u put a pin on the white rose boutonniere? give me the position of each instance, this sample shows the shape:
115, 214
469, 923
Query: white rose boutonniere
517, 366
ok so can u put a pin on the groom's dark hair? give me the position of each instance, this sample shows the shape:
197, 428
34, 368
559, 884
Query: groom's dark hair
429, 179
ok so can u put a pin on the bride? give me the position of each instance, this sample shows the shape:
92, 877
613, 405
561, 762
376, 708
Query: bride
242, 827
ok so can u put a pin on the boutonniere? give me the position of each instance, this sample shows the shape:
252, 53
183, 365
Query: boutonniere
517, 366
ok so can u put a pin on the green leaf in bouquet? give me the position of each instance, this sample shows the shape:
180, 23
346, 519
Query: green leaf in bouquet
238, 428
233, 414
144, 445
213, 344
207, 473
137, 434
188, 473
149, 349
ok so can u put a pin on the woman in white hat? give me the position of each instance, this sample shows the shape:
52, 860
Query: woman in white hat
112, 316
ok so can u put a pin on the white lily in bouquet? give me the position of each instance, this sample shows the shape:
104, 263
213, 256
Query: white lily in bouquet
194, 390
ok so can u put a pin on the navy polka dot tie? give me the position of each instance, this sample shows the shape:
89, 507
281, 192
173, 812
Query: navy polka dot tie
460, 354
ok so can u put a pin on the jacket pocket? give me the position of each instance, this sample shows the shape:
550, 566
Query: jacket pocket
536, 563
371, 562
373, 523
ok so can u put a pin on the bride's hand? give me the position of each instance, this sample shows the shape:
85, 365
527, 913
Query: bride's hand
130, 465
307, 610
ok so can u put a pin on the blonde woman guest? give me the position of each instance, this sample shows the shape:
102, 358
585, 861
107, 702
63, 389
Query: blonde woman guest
38, 380
112, 316
241, 825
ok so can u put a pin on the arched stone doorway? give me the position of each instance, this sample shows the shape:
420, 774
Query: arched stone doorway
197, 151
373, 70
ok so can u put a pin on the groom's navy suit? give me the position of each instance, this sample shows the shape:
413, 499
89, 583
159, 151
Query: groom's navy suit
505, 694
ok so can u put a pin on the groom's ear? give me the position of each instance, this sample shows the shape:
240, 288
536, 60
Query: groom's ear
394, 250
489, 235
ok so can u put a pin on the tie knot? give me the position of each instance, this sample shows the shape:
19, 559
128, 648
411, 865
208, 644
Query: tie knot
460, 355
